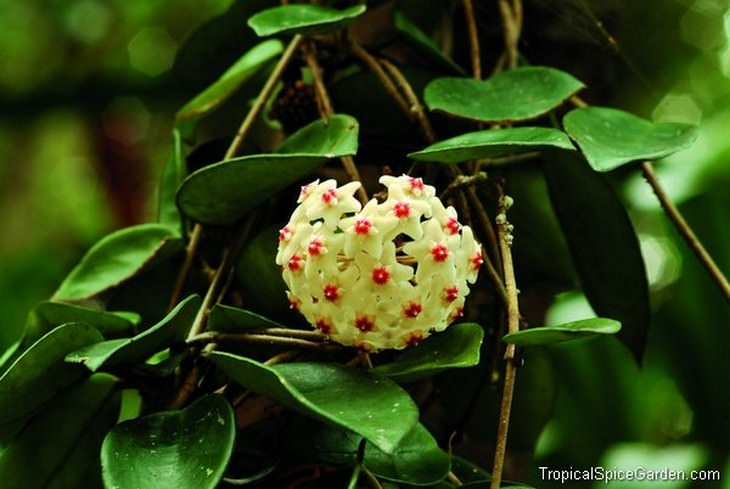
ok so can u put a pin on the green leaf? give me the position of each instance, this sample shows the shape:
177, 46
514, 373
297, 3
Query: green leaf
186, 449
610, 138
246, 66
171, 330
117, 257
48, 315
224, 192
513, 95
603, 245
302, 19
457, 347
424, 44
417, 459
40, 373
574, 330
173, 174
371, 406
59, 447
492, 143
229, 319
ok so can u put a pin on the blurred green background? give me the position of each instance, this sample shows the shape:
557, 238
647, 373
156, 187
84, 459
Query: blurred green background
86, 105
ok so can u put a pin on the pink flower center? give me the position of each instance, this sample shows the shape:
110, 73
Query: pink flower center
439, 253
458, 312
323, 325
316, 247
416, 185
364, 324
380, 275
294, 304
329, 197
402, 210
452, 226
414, 338
451, 293
363, 225
305, 191
413, 309
295, 262
476, 261
285, 233
331, 292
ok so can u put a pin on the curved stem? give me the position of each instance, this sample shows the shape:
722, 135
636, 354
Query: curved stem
686, 231
513, 325
260, 101
471, 25
324, 104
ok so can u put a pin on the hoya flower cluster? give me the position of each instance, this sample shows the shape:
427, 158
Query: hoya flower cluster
380, 276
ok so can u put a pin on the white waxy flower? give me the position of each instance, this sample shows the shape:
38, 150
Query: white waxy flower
381, 276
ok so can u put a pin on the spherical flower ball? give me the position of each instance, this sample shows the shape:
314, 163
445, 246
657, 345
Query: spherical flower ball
381, 276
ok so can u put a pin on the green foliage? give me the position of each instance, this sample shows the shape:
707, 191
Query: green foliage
224, 192
53, 450
610, 138
371, 406
457, 347
172, 330
492, 143
514, 95
40, 374
241, 71
175, 449
117, 258
574, 330
606, 250
302, 19
313, 413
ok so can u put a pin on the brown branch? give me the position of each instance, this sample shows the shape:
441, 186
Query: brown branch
260, 101
190, 251
324, 103
510, 31
372, 64
415, 104
513, 324
686, 231
216, 337
471, 25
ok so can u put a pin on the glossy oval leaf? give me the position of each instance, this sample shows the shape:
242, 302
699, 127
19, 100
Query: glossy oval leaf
493, 143
574, 330
241, 71
603, 245
118, 257
59, 448
171, 330
39, 374
302, 19
456, 347
229, 319
48, 315
513, 95
186, 449
222, 193
418, 460
372, 406
424, 44
610, 138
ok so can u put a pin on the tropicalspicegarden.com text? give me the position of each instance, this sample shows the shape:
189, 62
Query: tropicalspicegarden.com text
639, 474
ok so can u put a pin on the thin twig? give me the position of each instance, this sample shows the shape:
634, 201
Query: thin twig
324, 103
511, 32
486, 223
685, 230
260, 101
451, 477
190, 251
282, 357
415, 104
216, 337
471, 25
513, 324
191, 380
372, 64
